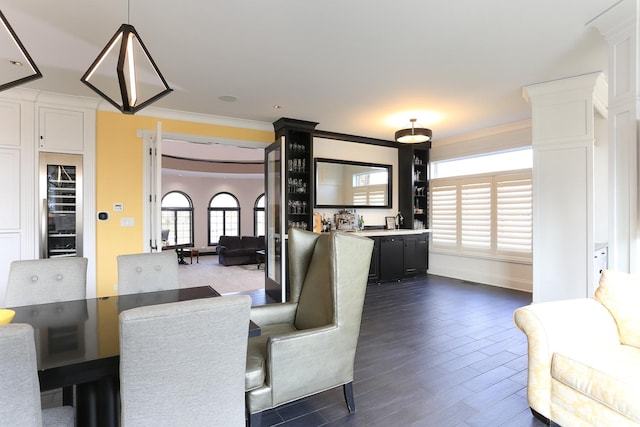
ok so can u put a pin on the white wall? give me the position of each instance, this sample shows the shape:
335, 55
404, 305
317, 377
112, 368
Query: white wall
202, 189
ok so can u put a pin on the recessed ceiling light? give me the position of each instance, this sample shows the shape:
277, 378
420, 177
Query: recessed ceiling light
277, 107
16, 63
227, 98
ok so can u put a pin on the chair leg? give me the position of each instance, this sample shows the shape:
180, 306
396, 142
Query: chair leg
348, 397
539, 416
255, 420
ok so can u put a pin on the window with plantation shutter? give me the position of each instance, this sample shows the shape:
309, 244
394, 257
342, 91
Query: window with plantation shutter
483, 215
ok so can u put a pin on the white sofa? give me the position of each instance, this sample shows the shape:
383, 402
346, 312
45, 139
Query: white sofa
584, 355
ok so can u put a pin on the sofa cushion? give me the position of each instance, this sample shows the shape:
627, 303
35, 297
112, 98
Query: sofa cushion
609, 375
230, 242
620, 293
250, 242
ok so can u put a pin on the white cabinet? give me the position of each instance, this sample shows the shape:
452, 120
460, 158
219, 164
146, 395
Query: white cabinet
61, 130
10, 123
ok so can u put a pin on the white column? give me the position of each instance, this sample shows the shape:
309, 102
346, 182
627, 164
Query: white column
619, 25
563, 137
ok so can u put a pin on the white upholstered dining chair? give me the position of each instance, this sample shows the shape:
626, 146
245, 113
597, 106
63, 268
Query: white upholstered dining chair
20, 403
42, 281
183, 363
148, 272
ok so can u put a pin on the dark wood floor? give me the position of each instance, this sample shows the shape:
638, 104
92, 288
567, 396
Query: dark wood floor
433, 351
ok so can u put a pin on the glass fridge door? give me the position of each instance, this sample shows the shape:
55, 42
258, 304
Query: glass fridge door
61, 194
275, 239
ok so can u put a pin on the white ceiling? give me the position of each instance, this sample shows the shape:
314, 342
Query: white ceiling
351, 65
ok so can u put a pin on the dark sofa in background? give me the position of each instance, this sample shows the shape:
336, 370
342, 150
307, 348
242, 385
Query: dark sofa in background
235, 250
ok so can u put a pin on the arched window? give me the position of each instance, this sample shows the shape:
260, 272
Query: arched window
224, 217
258, 216
177, 217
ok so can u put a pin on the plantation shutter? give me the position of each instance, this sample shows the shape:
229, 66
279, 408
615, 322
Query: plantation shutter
514, 213
444, 208
475, 215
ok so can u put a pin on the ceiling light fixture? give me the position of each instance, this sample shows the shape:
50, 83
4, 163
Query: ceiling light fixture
16, 74
413, 135
138, 81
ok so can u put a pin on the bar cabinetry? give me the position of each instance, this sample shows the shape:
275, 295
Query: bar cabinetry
397, 255
413, 185
298, 177
289, 196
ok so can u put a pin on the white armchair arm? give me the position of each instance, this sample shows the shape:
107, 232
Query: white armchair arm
560, 326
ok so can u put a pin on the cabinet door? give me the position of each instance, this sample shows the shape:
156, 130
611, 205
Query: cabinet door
61, 130
415, 255
275, 273
10, 124
391, 258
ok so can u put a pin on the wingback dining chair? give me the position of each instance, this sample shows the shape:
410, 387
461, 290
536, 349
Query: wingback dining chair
308, 345
42, 281
148, 272
20, 403
183, 363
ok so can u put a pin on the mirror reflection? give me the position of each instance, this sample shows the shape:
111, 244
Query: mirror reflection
344, 184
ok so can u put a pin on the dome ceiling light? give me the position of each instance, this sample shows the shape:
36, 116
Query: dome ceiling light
413, 135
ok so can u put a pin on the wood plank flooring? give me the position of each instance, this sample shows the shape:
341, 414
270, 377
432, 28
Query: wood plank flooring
433, 351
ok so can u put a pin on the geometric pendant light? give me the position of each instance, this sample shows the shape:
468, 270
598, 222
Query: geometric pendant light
125, 74
16, 65
413, 134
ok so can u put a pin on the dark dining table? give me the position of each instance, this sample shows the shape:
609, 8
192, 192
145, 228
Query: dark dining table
77, 343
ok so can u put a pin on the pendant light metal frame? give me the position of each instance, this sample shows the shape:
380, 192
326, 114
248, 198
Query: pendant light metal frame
36, 72
413, 135
126, 106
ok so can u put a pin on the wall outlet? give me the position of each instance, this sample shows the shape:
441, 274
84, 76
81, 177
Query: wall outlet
127, 222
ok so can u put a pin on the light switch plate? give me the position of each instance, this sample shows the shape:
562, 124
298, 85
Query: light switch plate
126, 222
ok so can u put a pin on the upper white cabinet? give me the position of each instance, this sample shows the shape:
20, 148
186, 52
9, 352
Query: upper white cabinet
61, 130
10, 123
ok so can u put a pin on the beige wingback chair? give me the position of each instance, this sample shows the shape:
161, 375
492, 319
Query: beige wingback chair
308, 345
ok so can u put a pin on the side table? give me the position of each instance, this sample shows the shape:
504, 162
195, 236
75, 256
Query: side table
191, 252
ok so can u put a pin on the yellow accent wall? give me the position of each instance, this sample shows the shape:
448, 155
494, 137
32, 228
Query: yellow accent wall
119, 160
